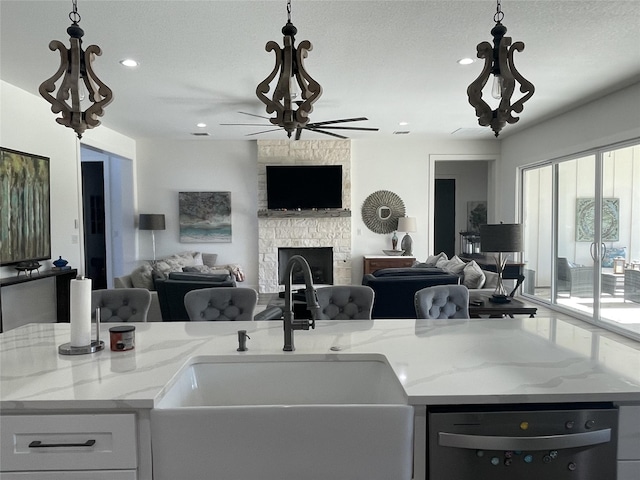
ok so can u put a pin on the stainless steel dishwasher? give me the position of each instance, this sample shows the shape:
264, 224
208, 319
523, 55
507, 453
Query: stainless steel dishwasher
522, 442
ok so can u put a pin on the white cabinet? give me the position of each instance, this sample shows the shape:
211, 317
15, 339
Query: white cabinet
69, 447
629, 443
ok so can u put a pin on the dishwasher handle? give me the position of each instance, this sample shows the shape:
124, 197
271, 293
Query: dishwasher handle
544, 442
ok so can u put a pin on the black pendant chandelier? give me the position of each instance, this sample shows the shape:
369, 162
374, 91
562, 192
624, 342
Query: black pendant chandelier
80, 83
295, 91
499, 63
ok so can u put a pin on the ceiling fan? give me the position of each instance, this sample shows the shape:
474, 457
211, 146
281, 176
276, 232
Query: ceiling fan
319, 127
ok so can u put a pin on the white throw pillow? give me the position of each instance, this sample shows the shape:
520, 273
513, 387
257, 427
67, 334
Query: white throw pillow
433, 260
141, 277
209, 259
455, 265
491, 279
474, 276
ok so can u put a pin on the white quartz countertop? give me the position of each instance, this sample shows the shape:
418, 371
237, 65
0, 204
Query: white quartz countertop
485, 361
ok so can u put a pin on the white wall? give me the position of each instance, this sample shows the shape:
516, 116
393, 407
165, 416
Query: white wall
610, 119
165, 168
403, 166
28, 125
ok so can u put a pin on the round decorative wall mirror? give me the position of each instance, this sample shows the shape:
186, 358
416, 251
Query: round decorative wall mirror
381, 210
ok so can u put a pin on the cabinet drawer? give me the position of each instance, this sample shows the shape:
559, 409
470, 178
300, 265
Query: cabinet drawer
68, 442
373, 264
629, 433
72, 475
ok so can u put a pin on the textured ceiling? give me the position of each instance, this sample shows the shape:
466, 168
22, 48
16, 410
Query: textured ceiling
391, 61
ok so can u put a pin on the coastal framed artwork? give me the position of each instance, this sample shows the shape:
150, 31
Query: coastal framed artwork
25, 206
476, 215
585, 219
205, 217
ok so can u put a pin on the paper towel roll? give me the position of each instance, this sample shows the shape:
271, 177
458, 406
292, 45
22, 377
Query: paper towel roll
80, 312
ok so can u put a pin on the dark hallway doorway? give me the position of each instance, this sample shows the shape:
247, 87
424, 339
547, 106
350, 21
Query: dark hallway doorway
94, 223
445, 216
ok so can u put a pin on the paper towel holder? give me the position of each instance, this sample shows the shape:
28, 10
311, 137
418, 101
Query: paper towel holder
95, 345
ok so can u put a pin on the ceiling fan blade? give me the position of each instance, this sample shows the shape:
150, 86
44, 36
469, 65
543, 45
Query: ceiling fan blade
342, 120
371, 129
326, 133
264, 131
254, 115
246, 124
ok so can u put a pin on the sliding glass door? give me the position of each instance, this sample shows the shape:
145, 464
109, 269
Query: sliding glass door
581, 221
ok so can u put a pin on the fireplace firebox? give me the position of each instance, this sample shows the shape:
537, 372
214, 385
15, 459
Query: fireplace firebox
320, 260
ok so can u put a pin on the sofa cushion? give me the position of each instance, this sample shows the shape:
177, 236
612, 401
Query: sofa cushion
491, 279
209, 259
611, 253
432, 261
454, 265
199, 277
206, 269
141, 277
473, 276
407, 272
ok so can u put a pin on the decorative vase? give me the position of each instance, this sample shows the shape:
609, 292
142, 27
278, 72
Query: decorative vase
394, 241
60, 262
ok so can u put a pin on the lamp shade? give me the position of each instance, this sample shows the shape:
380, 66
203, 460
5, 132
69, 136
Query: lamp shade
407, 224
502, 237
151, 221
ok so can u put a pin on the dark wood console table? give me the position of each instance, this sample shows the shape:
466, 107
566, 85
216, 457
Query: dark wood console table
63, 289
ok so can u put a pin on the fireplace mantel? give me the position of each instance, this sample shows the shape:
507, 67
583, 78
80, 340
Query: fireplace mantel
303, 213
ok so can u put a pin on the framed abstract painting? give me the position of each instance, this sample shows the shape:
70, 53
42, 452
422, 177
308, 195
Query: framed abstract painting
25, 209
205, 217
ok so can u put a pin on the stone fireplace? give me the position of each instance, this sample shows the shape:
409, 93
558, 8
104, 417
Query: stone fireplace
306, 229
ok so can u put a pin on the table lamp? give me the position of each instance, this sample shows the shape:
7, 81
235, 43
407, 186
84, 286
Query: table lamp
153, 222
407, 224
501, 238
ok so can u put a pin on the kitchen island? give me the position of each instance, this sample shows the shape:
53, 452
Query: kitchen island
438, 363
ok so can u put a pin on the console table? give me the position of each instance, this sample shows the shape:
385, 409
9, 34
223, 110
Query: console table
63, 289
378, 262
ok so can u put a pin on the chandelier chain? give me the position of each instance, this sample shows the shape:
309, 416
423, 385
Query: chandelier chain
499, 13
74, 16
289, 11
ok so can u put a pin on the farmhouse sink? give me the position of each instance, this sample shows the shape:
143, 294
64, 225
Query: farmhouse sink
272, 417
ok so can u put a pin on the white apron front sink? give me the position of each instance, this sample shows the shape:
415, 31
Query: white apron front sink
302, 417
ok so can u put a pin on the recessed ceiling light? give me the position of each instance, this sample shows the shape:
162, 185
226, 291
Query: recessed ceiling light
201, 125
129, 62
403, 123
466, 61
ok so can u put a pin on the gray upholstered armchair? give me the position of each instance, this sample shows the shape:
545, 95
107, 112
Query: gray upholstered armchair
121, 304
442, 301
575, 279
221, 303
345, 302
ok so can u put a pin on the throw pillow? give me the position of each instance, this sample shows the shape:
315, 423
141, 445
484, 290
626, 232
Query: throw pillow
209, 259
455, 265
474, 276
432, 261
442, 262
612, 253
491, 279
141, 277
206, 269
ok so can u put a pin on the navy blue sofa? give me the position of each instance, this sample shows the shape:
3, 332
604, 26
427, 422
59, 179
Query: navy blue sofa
395, 288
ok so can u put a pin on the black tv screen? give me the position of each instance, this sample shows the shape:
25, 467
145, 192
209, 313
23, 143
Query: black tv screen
304, 187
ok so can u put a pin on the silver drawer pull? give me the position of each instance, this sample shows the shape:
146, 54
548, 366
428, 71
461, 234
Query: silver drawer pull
39, 444
554, 442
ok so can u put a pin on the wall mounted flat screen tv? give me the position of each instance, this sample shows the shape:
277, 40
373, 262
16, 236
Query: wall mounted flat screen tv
304, 187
